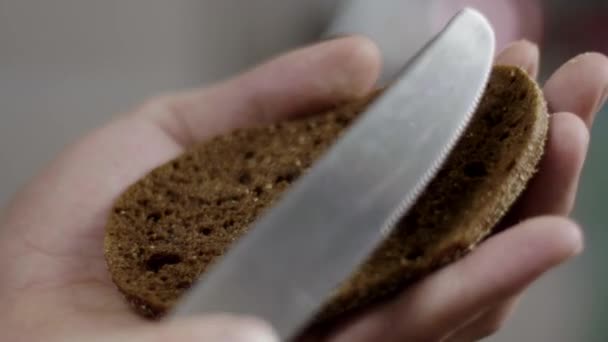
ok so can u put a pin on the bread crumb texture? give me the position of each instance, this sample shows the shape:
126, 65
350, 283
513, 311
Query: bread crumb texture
166, 229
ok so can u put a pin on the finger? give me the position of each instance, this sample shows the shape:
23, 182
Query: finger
553, 190
486, 324
500, 268
490, 275
303, 81
212, 329
579, 86
522, 53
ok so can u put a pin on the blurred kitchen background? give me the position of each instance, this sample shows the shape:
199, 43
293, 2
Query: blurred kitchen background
67, 66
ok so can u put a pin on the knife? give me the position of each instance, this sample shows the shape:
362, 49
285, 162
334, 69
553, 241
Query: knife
326, 224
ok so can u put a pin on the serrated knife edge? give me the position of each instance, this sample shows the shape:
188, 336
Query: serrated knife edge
302, 248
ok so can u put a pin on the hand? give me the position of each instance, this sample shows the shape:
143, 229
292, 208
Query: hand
55, 284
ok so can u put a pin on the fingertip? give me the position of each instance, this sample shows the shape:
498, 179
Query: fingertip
525, 251
215, 327
553, 239
562, 166
224, 327
256, 327
535, 60
566, 150
575, 237
553, 189
358, 59
522, 53
589, 57
532, 56
579, 86
253, 329
567, 236
572, 137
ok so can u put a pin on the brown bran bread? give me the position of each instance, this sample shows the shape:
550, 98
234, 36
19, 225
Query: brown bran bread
165, 229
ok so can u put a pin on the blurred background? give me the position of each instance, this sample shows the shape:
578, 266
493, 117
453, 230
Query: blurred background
67, 66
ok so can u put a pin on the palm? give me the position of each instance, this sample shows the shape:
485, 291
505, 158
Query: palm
55, 279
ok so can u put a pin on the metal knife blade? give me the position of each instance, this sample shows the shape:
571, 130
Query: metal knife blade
323, 227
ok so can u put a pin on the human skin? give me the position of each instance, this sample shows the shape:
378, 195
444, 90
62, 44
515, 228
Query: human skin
55, 285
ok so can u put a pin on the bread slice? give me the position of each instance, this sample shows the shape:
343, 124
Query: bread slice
166, 229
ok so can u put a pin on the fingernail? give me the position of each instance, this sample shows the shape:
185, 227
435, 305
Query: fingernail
527, 41
252, 332
332, 36
518, 42
527, 61
532, 66
581, 243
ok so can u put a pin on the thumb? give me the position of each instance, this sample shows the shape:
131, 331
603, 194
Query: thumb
217, 328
